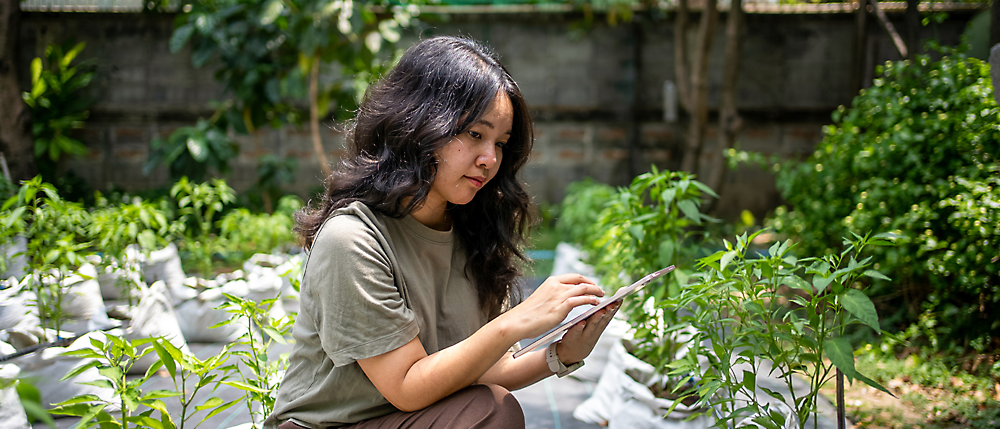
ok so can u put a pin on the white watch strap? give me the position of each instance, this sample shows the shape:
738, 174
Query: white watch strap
556, 365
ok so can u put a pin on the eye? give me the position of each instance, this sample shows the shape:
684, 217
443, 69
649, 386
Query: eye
475, 135
501, 144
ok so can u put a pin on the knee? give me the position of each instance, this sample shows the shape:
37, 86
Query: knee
501, 408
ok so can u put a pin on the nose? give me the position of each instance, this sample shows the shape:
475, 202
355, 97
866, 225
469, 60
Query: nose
488, 157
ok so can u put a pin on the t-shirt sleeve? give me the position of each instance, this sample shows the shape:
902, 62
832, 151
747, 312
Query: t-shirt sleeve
358, 310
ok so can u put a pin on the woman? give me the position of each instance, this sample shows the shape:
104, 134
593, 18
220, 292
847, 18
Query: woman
414, 256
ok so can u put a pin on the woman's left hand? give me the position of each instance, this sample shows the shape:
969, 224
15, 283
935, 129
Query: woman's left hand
579, 340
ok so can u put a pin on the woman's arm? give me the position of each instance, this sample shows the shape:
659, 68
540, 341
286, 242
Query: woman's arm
411, 380
575, 345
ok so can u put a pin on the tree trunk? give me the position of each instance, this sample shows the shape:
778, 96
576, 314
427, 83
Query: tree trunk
730, 122
699, 87
680, 55
16, 141
913, 25
314, 118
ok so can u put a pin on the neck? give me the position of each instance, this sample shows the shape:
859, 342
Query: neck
434, 216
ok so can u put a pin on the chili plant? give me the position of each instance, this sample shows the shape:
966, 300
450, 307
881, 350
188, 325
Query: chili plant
774, 307
647, 226
54, 230
260, 383
113, 358
206, 374
198, 204
138, 225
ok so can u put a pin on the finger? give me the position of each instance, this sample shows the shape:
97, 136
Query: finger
586, 289
576, 301
572, 278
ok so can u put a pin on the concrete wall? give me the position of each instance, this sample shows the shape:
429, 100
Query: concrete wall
581, 85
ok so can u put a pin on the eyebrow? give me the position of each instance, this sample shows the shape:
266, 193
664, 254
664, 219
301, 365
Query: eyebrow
489, 124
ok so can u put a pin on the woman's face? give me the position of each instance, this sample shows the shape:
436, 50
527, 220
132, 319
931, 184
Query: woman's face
471, 159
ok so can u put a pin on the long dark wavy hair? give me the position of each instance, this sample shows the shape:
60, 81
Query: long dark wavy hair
438, 90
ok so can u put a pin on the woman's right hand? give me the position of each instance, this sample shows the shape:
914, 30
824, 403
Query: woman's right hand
550, 303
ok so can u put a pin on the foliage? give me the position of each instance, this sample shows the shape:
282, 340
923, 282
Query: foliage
260, 383
245, 233
198, 204
206, 374
272, 172
139, 225
113, 357
191, 151
580, 209
31, 400
648, 226
916, 154
55, 102
776, 308
55, 232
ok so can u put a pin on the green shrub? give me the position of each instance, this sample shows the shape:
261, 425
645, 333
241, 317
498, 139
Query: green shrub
578, 213
916, 155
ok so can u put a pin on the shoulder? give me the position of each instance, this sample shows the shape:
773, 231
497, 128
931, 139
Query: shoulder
351, 227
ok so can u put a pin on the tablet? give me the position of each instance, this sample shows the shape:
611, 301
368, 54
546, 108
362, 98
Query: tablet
618, 296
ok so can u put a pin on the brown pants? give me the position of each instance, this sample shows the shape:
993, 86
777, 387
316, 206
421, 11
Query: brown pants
479, 407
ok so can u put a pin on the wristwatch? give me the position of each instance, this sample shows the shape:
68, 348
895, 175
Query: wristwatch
556, 365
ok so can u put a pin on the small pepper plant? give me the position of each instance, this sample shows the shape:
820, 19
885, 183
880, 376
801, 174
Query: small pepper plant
748, 309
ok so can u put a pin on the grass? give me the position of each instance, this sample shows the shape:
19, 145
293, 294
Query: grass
929, 394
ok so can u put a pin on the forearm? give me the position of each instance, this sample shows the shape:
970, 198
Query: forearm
431, 378
518, 373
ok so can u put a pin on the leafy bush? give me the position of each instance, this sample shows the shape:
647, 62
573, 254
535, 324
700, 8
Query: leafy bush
245, 233
792, 313
580, 209
916, 155
56, 106
191, 151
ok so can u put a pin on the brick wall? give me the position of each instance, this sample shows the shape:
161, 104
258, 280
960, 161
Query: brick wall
588, 92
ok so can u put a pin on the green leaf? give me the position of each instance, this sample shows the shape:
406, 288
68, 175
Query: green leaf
181, 36
219, 409
166, 358
876, 275
274, 334
86, 418
76, 371
113, 373
36, 74
690, 210
726, 259
160, 394
704, 188
244, 387
79, 399
71, 410
797, 282
749, 378
198, 148
859, 305
209, 403
821, 282
841, 355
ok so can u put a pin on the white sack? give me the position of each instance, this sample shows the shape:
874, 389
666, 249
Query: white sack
12, 415
82, 298
164, 264
113, 278
196, 315
154, 317
14, 306
14, 252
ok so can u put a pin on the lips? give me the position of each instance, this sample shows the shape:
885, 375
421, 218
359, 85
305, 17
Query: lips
477, 181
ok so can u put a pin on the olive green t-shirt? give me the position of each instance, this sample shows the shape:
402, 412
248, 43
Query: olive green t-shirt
370, 285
